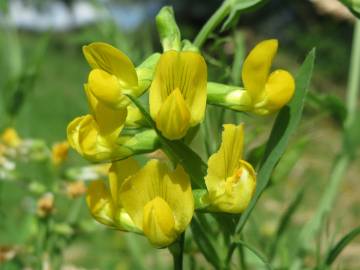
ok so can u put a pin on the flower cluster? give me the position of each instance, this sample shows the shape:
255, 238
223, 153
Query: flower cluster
158, 199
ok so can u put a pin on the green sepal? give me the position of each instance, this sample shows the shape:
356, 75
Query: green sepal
228, 96
200, 199
145, 71
187, 45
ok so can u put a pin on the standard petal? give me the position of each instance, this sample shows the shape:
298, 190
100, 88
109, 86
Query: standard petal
173, 118
225, 161
185, 71
119, 171
257, 65
140, 189
279, 90
159, 223
104, 56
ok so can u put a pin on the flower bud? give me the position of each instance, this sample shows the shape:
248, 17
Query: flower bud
168, 30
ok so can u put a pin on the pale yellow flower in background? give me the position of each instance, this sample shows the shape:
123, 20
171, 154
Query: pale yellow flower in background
178, 93
230, 180
59, 152
113, 74
10, 137
269, 92
75, 189
159, 201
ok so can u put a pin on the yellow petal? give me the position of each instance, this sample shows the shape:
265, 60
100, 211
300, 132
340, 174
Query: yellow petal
84, 137
109, 120
159, 223
140, 189
157, 180
134, 117
104, 56
185, 71
173, 118
235, 194
106, 88
73, 130
257, 66
178, 195
225, 161
279, 90
119, 171
99, 202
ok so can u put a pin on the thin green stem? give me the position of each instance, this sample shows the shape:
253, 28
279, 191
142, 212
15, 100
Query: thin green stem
354, 77
212, 23
177, 250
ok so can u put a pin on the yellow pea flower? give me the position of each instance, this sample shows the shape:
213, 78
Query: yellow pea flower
159, 201
113, 74
178, 93
230, 181
268, 91
59, 152
103, 200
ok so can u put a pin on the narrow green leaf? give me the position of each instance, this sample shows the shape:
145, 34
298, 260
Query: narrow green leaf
338, 248
284, 126
257, 253
205, 242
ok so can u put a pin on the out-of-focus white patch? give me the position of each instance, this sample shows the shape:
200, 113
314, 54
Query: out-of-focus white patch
54, 15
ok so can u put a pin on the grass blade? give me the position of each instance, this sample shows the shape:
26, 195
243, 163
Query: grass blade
338, 248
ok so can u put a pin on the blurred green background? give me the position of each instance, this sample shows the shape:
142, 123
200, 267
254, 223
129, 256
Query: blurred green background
42, 72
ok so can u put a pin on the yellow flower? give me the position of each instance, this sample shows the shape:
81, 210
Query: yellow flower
113, 74
95, 135
59, 152
10, 137
178, 93
268, 92
230, 180
159, 201
103, 200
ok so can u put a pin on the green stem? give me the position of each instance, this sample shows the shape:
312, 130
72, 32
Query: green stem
177, 250
212, 23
